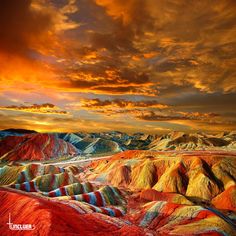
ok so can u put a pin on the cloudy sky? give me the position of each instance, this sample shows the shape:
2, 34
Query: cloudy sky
130, 65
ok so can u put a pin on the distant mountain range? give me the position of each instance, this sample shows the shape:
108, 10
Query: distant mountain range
104, 143
115, 141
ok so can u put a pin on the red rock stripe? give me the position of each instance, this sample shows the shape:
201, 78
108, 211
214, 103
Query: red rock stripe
86, 197
52, 194
99, 198
65, 180
105, 211
117, 212
22, 187
63, 191
32, 187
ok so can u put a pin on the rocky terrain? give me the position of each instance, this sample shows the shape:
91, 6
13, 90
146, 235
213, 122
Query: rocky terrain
202, 177
34, 147
174, 188
134, 192
55, 145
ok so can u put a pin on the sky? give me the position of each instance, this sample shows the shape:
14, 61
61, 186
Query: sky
152, 66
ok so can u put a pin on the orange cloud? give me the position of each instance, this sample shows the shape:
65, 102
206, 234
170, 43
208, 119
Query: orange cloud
179, 35
138, 49
119, 103
25, 75
111, 81
42, 123
30, 36
46, 108
173, 115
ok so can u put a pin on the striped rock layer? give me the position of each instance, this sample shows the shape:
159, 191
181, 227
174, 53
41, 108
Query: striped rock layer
133, 193
34, 147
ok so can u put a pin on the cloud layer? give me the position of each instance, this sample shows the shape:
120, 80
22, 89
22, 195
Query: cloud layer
46, 108
167, 64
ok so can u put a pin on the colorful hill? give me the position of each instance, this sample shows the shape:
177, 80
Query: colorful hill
34, 147
54, 217
165, 218
200, 176
107, 143
194, 141
45, 195
91, 145
113, 142
134, 192
116, 141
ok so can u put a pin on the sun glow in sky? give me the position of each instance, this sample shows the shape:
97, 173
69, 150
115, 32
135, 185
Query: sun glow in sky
128, 65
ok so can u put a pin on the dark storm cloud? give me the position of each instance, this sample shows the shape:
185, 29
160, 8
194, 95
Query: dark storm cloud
21, 25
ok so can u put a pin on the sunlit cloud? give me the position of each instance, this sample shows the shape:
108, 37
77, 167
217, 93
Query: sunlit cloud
118, 103
46, 108
142, 63
174, 115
